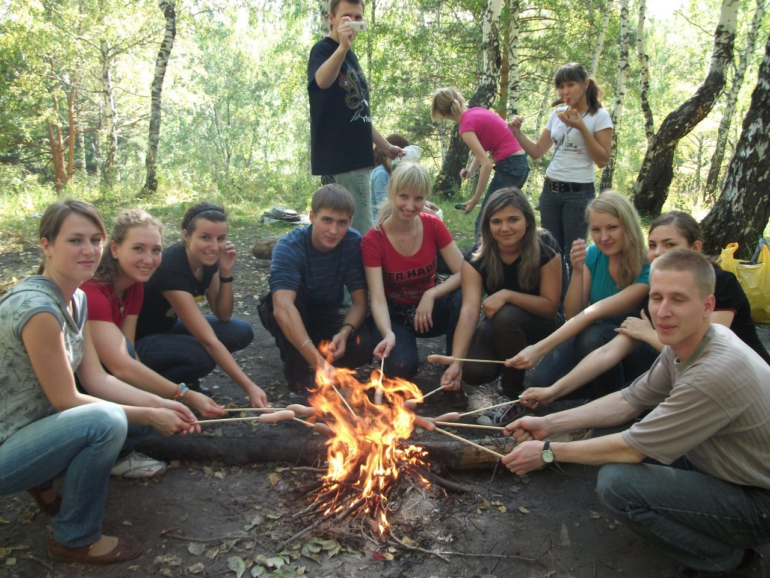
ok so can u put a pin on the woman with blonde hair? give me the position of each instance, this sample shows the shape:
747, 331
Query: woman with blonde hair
519, 268
400, 260
610, 279
484, 132
581, 131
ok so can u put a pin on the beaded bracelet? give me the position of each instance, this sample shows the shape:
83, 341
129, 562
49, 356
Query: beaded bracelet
180, 391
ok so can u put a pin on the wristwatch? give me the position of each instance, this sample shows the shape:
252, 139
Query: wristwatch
547, 455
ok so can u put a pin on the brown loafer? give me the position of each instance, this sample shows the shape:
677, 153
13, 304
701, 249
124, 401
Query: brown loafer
125, 550
48, 509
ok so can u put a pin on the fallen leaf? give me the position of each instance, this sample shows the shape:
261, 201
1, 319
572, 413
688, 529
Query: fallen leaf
196, 548
237, 565
127, 523
10, 562
594, 515
196, 568
502, 509
523, 510
273, 479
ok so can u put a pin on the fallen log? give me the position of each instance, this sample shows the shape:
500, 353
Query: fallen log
263, 248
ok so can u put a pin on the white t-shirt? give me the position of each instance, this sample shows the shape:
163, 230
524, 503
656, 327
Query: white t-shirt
571, 162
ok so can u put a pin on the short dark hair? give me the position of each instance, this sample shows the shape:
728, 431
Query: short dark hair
394, 139
334, 3
335, 198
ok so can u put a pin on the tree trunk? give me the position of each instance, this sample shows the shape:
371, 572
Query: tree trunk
600, 38
448, 179
657, 171
717, 158
324, 13
156, 109
644, 74
620, 93
742, 211
109, 131
512, 51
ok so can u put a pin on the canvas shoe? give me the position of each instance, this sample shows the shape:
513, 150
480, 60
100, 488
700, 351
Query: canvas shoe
138, 466
502, 415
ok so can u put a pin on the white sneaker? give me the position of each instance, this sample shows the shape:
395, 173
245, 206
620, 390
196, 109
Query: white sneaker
137, 466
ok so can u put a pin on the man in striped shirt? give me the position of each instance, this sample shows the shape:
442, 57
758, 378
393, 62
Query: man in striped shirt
310, 268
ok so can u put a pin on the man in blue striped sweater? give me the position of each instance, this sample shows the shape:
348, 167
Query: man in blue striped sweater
309, 270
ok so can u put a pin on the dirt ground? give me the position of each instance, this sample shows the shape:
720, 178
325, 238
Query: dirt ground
212, 519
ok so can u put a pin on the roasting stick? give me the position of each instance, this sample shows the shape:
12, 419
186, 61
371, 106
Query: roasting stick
378, 393
260, 409
267, 418
447, 359
490, 407
469, 442
469, 425
227, 419
345, 401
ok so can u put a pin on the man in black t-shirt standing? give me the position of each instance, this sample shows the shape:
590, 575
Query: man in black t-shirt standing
341, 131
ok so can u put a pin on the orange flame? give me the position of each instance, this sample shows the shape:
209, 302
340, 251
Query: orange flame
365, 452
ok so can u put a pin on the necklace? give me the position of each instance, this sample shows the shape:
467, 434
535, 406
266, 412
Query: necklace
400, 247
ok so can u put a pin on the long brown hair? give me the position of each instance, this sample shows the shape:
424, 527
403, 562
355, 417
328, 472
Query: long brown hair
489, 253
55, 214
576, 72
127, 219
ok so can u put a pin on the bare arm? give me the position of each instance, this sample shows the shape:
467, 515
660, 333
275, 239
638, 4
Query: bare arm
482, 159
466, 325
289, 320
380, 310
545, 304
391, 151
423, 319
535, 150
599, 145
355, 316
187, 310
111, 349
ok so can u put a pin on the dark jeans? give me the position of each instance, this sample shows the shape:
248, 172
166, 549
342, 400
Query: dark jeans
702, 522
502, 337
403, 360
180, 357
321, 323
564, 215
564, 358
512, 171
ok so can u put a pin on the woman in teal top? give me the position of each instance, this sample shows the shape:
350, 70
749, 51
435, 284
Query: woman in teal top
610, 280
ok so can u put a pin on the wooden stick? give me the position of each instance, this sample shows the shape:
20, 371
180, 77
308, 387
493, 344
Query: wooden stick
431, 393
227, 419
345, 401
469, 425
378, 393
303, 422
469, 442
260, 409
447, 359
490, 407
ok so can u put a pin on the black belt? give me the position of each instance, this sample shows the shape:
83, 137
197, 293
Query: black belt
562, 187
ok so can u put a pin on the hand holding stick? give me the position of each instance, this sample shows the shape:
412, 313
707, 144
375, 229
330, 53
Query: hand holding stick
448, 360
490, 407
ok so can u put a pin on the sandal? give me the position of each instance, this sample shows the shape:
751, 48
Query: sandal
49, 509
126, 549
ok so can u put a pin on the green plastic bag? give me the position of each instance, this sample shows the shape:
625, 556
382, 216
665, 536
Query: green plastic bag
755, 279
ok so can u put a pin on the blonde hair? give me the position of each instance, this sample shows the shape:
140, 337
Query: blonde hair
633, 256
127, 219
446, 102
489, 253
405, 176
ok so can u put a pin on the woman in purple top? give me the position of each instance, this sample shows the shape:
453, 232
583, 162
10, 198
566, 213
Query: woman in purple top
484, 132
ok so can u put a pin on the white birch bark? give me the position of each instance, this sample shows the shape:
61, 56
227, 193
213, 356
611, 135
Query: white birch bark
514, 72
600, 38
109, 132
644, 75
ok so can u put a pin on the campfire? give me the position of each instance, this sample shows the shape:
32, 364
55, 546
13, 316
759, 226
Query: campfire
366, 454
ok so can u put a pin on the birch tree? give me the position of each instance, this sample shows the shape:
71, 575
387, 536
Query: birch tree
456, 155
620, 93
657, 171
600, 39
743, 209
512, 48
156, 110
644, 75
717, 158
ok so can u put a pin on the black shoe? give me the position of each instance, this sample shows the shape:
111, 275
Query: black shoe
301, 397
196, 385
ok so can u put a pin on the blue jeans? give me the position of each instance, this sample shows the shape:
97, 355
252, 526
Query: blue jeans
566, 356
702, 522
180, 357
512, 171
81, 443
564, 215
403, 360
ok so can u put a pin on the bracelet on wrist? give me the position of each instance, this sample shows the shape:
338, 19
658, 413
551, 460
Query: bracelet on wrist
180, 391
304, 343
352, 328
226, 279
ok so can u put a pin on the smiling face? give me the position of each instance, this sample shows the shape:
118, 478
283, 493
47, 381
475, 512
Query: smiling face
206, 243
139, 254
572, 92
664, 238
76, 251
329, 228
408, 204
508, 227
679, 312
606, 232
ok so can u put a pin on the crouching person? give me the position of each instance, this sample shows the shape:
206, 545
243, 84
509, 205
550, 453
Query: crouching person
310, 268
706, 499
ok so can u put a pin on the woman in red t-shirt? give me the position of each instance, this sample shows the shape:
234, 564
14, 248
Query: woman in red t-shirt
400, 260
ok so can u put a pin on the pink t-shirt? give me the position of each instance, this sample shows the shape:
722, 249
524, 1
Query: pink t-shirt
104, 305
407, 278
491, 130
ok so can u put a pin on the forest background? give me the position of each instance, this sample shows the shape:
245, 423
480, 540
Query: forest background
81, 101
